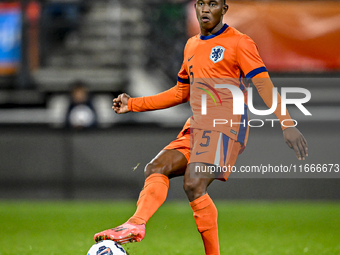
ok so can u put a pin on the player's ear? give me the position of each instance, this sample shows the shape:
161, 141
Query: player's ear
225, 9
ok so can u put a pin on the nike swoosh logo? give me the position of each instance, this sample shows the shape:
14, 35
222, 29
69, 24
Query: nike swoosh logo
199, 153
191, 57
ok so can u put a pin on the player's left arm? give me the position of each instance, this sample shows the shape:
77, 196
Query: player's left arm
293, 137
252, 65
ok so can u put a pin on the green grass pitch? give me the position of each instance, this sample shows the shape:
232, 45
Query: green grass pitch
264, 228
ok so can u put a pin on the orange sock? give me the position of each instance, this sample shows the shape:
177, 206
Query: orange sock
152, 196
205, 214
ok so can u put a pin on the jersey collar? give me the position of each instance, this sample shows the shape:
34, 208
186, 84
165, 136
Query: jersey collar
225, 26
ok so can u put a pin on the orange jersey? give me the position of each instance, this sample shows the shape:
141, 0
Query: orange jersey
227, 57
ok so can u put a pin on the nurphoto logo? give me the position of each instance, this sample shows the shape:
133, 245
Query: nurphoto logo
239, 109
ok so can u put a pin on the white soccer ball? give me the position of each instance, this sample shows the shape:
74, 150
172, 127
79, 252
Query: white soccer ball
106, 247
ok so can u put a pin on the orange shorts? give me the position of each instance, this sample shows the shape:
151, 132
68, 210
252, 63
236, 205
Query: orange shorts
205, 146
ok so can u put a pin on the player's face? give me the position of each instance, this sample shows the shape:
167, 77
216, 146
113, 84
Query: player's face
210, 15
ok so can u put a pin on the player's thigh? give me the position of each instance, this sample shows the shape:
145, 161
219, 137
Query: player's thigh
173, 159
169, 162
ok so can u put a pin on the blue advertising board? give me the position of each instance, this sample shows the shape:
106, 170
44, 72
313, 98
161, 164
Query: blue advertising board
10, 37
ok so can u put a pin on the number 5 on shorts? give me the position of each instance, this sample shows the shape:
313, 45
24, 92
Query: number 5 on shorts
205, 136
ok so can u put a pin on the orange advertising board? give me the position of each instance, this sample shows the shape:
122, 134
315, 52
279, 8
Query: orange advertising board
298, 36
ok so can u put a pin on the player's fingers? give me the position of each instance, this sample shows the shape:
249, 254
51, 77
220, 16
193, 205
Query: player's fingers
118, 99
296, 150
301, 149
116, 107
305, 145
117, 102
304, 148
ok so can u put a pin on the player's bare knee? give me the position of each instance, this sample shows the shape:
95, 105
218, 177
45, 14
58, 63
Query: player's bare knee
155, 167
148, 170
188, 187
194, 188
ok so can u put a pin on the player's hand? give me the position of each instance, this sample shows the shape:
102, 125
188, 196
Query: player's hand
295, 140
120, 104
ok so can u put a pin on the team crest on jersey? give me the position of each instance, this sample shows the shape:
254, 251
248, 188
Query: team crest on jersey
216, 54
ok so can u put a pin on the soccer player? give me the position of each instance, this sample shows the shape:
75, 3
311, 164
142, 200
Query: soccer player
218, 55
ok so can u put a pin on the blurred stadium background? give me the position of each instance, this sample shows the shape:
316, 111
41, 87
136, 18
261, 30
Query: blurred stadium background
52, 149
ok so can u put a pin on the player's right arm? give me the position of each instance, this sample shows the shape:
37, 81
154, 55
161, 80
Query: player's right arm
178, 94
